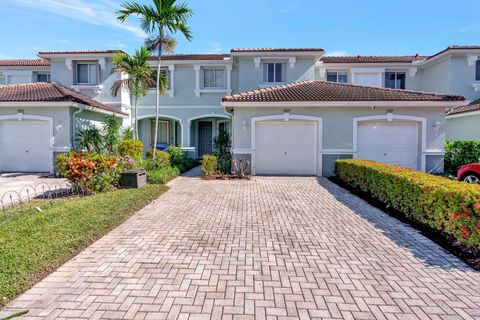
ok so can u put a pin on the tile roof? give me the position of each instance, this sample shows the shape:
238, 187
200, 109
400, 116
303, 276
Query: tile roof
80, 52
371, 59
277, 50
454, 47
473, 106
331, 91
25, 63
190, 57
48, 91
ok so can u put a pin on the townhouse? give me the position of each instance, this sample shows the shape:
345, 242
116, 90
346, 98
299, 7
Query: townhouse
289, 111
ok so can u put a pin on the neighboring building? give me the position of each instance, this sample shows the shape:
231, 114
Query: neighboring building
191, 113
463, 123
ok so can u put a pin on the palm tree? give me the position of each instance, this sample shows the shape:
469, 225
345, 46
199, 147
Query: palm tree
139, 77
161, 21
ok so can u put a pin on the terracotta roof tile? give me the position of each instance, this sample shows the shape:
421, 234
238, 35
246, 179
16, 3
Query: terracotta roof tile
331, 91
192, 57
371, 59
48, 91
474, 106
276, 50
25, 63
80, 52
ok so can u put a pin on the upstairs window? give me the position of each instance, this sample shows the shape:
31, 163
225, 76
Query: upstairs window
341, 77
86, 73
477, 70
43, 77
213, 78
3, 79
274, 72
166, 74
395, 80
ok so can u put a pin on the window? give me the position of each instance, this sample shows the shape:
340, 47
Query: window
154, 78
273, 72
3, 79
43, 77
163, 136
86, 73
395, 80
213, 78
337, 77
477, 70
224, 126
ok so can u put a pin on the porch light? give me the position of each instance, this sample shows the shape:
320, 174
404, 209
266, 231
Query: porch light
437, 125
389, 115
244, 124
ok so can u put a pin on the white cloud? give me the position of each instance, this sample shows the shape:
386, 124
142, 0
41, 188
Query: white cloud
336, 53
468, 28
101, 12
215, 47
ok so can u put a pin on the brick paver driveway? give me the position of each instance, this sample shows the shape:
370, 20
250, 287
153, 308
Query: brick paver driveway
273, 247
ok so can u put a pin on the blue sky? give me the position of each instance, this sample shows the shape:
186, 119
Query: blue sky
371, 27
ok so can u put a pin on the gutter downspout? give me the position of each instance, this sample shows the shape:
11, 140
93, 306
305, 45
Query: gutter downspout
74, 131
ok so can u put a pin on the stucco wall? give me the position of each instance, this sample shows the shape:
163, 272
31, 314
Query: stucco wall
462, 78
61, 122
436, 77
463, 128
337, 130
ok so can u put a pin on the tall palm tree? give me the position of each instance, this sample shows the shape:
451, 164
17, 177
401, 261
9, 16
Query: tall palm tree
161, 21
140, 77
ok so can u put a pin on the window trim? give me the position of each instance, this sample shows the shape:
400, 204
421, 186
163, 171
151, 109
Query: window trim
337, 74
88, 73
224, 86
153, 130
396, 73
283, 68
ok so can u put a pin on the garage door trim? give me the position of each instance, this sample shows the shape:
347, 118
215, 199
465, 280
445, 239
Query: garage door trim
287, 117
20, 117
389, 118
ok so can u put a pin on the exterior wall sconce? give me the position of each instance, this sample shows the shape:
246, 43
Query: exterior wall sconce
389, 115
437, 125
244, 125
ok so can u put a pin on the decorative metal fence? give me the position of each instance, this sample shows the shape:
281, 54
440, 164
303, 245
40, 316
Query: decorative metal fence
15, 200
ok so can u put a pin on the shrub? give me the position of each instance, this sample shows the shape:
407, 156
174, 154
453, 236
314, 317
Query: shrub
209, 165
161, 161
459, 153
225, 163
149, 153
447, 205
178, 158
91, 172
132, 148
161, 176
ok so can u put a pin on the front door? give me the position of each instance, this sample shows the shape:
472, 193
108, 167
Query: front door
204, 138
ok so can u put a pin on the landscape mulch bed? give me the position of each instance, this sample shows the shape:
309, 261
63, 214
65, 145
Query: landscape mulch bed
468, 254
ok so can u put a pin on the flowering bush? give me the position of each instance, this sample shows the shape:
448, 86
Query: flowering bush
132, 148
209, 165
92, 172
447, 205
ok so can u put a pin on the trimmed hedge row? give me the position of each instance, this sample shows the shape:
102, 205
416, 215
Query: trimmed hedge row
447, 205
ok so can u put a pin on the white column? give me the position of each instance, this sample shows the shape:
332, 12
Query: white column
229, 77
171, 69
197, 81
186, 134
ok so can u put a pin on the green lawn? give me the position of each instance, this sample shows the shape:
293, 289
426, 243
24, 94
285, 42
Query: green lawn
37, 242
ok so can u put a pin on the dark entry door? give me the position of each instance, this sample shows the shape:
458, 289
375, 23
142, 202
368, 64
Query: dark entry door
204, 138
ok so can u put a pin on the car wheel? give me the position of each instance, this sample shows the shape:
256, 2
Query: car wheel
472, 178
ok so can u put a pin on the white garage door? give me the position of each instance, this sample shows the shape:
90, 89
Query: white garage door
286, 148
389, 142
25, 146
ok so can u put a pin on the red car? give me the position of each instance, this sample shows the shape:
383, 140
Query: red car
469, 173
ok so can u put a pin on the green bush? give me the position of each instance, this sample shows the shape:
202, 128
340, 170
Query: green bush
161, 176
209, 165
178, 158
92, 172
225, 163
132, 148
459, 153
447, 205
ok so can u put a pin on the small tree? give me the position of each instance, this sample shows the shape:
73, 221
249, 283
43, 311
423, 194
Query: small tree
222, 145
111, 136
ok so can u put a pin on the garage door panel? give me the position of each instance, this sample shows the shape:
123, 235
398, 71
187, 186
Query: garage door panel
25, 146
285, 148
389, 142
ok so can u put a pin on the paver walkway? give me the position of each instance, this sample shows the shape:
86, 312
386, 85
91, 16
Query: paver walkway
272, 247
